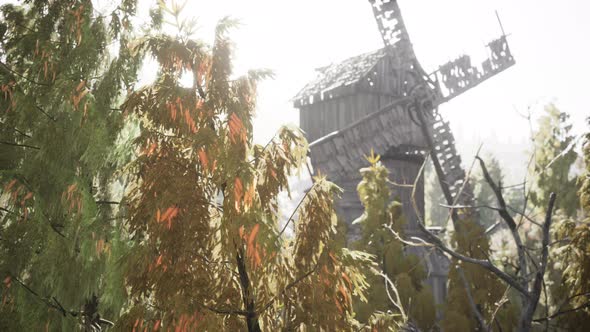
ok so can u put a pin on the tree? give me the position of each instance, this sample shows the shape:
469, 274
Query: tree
207, 251
527, 284
61, 87
399, 278
569, 304
554, 156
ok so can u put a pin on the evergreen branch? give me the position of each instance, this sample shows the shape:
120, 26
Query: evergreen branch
46, 114
16, 130
21, 145
50, 223
46, 300
14, 73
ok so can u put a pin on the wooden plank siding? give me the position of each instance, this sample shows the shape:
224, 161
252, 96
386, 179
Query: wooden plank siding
369, 94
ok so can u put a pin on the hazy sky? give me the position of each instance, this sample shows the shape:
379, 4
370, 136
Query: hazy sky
549, 40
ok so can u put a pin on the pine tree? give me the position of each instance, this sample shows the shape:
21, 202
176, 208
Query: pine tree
61, 87
554, 158
569, 280
485, 289
207, 251
405, 271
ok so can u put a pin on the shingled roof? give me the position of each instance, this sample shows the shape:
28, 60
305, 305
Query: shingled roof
331, 79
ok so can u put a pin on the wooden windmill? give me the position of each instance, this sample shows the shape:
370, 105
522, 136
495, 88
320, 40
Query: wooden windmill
385, 101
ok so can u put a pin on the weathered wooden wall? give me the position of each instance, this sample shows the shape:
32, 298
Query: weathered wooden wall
347, 124
368, 95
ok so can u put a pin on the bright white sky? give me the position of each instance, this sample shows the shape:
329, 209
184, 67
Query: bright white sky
549, 41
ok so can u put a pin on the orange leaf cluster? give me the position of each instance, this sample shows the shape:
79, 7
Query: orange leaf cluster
238, 192
77, 13
249, 197
151, 149
203, 158
172, 109
7, 282
74, 198
237, 131
78, 94
168, 215
48, 65
7, 90
252, 247
102, 247
14, 196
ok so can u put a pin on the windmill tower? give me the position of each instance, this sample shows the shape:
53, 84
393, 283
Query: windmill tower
385, 101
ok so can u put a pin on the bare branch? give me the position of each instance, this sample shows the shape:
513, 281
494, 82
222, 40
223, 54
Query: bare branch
52, 118
289, 286
16, 130
508, 219
476, 312
483, 263
397, 303
529, 310
226, 311
559, 313
21, 145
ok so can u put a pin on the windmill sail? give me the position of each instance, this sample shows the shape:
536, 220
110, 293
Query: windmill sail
448, 82
457, 76
391, 25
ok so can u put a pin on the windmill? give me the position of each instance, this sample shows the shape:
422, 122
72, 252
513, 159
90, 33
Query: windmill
385, 101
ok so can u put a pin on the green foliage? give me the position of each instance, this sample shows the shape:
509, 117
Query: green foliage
207, 251
406, 271
554, 158
60, 85
570, 267
484, 287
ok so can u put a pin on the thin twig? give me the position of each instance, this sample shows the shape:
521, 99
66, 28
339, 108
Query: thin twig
294, 211
289, 286
476, 312
21, 145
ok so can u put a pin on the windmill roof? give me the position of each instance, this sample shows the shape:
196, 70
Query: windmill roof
334, 76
